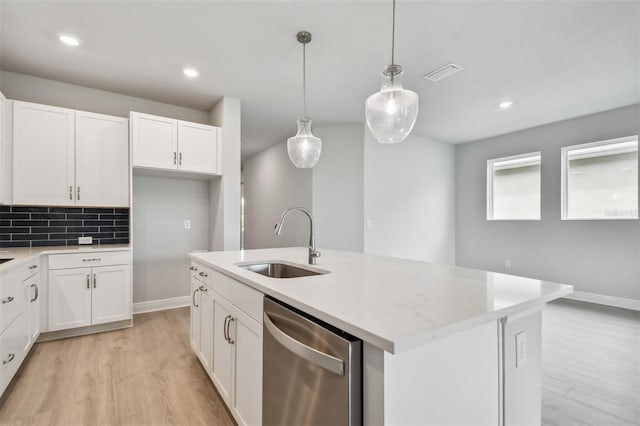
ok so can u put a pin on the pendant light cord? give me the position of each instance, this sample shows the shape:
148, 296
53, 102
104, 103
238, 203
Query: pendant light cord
393, 34
304, 79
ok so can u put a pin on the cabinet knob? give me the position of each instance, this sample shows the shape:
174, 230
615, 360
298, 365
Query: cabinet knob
202, 274
33, 266
7, 300
193, 268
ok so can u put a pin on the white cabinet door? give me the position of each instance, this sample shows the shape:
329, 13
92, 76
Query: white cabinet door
111, 294
6, 157
222, 349
197, 148
206, 328
155, 141
102, 160
31, 289
195, 315
69, 298
248, 369
43, 155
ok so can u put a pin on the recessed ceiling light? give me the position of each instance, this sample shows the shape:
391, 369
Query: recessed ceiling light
69, 40
190, 72
505, 104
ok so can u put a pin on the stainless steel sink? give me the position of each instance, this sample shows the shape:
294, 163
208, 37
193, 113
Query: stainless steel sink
279, 270
5, 260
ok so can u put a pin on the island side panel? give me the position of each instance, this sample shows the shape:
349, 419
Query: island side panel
523, 373
372, 385
449, 381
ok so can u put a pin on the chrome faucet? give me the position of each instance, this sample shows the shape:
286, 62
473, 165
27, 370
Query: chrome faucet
313, 253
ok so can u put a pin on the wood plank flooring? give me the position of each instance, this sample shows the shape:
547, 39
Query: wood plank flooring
591, 365
145, 375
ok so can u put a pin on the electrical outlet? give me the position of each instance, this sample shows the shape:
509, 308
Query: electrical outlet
507, 263
85, 240
521, 349
187, 224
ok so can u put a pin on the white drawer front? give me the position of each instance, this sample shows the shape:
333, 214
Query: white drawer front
12, 300
90, 259
241, 295
200, 273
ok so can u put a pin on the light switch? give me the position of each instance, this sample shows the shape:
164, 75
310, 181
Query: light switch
521, 349
187, 224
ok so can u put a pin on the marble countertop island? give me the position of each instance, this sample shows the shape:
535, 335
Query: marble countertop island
394, 304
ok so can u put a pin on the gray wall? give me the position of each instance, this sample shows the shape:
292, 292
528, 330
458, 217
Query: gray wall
49, 92
599, 257
338, 187
271, 184
409, 200
160, 207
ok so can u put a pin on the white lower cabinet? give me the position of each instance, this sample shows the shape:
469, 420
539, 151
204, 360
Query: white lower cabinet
19, 322
91, 295
226, 321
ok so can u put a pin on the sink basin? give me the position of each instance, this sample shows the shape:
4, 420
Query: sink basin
279, 270
5, 260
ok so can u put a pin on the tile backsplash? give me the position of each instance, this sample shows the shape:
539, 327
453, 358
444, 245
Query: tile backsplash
27, 226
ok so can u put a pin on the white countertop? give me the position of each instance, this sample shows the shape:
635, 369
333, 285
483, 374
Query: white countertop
391, 303
22, 255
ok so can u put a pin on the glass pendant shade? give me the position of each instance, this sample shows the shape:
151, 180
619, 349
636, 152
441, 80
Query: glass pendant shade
392, 112
304, 149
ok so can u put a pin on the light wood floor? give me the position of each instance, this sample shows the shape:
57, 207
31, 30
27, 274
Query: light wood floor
591, 364
145, 375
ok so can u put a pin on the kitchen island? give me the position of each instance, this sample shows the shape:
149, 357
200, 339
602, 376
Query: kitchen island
439, 340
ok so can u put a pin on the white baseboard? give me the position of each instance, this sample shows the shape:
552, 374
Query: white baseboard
161, 305
601, 299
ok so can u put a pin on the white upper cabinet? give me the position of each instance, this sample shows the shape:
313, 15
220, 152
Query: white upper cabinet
64, 157
155, 141
43, 155
102, 160
198, 148
167, 144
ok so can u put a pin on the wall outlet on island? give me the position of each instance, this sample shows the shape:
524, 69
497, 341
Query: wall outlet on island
85, 240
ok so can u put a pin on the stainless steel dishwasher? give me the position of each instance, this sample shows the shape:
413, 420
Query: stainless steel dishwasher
312, 372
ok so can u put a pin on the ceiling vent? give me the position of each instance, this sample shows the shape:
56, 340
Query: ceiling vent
443, 72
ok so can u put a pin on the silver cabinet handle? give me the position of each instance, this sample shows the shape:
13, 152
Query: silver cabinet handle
94, 281
33, 266
321, 359
93, 259
78, 193
180, 163
88, 281
9, 359
224, 328
203, 274
71, 192
193, 298
203, 288
193, 268
175, 156
231, 342
7, 300
37, 291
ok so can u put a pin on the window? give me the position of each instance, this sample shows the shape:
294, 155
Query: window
600, 180
513, 187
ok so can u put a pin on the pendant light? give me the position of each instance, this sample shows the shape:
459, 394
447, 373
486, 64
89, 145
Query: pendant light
304, 148
392, 112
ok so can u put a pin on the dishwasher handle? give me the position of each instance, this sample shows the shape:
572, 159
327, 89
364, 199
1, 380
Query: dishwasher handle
321, 359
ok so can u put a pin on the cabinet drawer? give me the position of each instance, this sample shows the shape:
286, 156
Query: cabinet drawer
12, 300
90, 259
200, 273
241, 295
12, 344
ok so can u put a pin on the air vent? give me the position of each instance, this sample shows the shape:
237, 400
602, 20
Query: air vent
443, 72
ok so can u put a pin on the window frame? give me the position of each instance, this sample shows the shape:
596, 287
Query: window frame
564, 205
490, 198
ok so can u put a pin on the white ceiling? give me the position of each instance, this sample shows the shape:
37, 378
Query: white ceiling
554, 59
